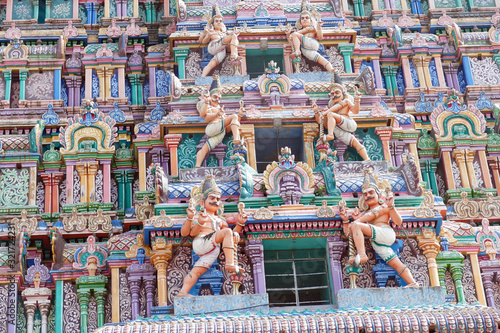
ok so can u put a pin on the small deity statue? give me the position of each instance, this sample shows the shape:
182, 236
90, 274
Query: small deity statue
218, 122
37, 280
209, 229
92, 266
336, 117
305, 39
219, 40
373, 222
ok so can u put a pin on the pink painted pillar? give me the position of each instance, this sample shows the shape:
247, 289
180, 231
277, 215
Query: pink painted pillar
106, 165
75, 10
88, 83
77, 83
8, 17
121, 82
378, 75
166, 8
439, 69
69, 183
406, 72
71, 92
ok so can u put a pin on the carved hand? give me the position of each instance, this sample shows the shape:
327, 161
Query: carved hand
356, 214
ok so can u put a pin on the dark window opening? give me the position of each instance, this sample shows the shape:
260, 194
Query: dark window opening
270, 140
258, 60
41, 11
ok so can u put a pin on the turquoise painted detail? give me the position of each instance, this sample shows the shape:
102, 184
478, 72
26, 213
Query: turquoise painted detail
186, 153
14, 187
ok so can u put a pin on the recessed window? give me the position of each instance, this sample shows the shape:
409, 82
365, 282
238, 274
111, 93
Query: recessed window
257, 61
297, 277
270, 140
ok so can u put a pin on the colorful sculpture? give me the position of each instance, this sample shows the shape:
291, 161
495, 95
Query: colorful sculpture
336, 117
305, 39
218, 122
209, 230
373, 222
219, 40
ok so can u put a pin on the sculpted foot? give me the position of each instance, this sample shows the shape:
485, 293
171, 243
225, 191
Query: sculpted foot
183, 294
234, 269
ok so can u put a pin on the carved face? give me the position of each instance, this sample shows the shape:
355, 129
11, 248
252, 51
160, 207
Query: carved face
216, 97
371, 196
218, 23
305, 20
337, 95
212, 203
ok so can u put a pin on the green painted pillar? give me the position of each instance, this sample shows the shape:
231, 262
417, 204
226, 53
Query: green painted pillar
120, 178
150, 11
129, 180
83, 298
424, 168
139, 86
35, 10
347, 50
23, 76
388, 81
132, 79
101, 300
394, 71
180, 55
457, 272
433, 164
453, 260
59, 306
7, 75
48, 6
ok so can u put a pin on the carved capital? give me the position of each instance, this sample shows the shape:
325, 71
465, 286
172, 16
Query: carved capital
430, 246
336, 247
469, 155
255, 251
384, 133
44, 307
172, 140
310, 132
83, 298
30, 308
93, 167
459, 155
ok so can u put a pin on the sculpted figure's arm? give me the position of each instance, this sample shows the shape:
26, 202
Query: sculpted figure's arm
393, 213
186, 227
319, 30
357, 99
205, 36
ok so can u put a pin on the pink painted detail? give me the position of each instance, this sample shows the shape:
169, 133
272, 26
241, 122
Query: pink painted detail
104, 52
106, 185
302, 113
253, 112
496, 17
13, 32
70, 30
445, 20
405, 21
378, 111
385, 21
347, 22
133, 30
113, 30
418, 40
69, 183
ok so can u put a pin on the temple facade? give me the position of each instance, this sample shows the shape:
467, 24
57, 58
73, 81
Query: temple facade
352, 149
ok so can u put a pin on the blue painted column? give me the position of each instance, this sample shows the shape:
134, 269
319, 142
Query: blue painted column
469, 80
88, 7
57, 84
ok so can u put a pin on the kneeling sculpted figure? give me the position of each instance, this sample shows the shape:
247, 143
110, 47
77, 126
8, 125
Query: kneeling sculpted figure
210, 229
374, 223
219, 41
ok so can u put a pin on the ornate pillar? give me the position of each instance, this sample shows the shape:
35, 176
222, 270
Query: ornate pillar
139, 84
30, 307
478, 282
429, 244
100, 71
255, 251
287, 52
412, 146
166, 8
47, 181
347, 49
439, 69
69, 183
108, 74
485, 171
106, 8
135, 287
467, 70
172, 142
385, 134
149, 283
101, 300
77, 85
493, 163
457, 272
106, 188
81, 168
152, 81
446, 155
57, 84
388, 82
115, 294
469, 158
136, 8
418, 61
162, 253
44, 313
427, 74
310, 132
454, 261
121, 83
71, 91
93, 166
120, 178
129, 179
133, 82
488, 286
23, 75
180, 55
405, 64
59, 305
32, 192
84, 298
376, 71
141, 161
248, 134
8, 17
459, 156
88, 78
7, 75
335, 247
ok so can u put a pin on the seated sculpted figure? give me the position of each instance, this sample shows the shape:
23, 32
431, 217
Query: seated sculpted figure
218, 122
373, 222
219, 41
210, 230
337, 120
305, 39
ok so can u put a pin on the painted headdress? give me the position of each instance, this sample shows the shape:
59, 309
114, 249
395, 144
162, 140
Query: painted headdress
337, 83
370, 181
215, 13
307, 9
209, 186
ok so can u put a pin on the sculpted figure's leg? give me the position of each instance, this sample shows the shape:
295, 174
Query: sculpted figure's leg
359, 231
208, 68
325, 63
296, 39
225, 236
331, 122
403, 271
232, 42
233, 123
200, 156
190, 280
360, 149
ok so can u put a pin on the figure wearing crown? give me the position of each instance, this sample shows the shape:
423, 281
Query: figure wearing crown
218, 122
219, 40
210, 229
373, 222
336, 117
305, 39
